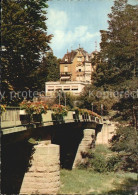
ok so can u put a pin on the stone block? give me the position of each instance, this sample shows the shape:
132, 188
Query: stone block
44, 174
53, 168
86, 143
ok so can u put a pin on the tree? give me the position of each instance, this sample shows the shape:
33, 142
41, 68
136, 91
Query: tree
51, 63
125, 143
65, 98
118, 46
116, 69
24, 41
47, 71
98, 97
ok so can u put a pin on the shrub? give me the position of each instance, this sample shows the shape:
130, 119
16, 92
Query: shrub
113, 163
77, 110
94, 161
34, 107
2, 108
101, 160
125, 143
98, 163
60, 110
88, 112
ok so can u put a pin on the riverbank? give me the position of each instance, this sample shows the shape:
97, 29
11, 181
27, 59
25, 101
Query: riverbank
87, 182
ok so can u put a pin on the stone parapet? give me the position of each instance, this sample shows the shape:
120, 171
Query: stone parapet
43, 177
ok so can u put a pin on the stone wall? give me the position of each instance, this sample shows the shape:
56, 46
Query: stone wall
87, 142
43, 177
106, 133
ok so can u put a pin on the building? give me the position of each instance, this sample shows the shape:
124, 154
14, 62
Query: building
73, 87
76, 66
75, 73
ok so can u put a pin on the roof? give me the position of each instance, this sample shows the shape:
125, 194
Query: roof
70, 56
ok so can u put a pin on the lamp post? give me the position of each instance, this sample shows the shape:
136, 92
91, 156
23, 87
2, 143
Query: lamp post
92, 106
101, 109
135, 116
59, 96
22, 56
65, 98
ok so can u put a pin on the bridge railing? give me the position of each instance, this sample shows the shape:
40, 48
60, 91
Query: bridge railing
14, 117
11, 117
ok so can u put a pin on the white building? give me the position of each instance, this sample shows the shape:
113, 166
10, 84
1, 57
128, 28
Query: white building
73, 87
75, 73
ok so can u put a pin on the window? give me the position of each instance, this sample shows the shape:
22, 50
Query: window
79, 70
74, 88
79, 59
65, 68
50, 89
58, 88
66, 59
67, 89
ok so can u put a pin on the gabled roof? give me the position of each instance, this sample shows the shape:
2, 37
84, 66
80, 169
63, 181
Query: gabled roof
69, 56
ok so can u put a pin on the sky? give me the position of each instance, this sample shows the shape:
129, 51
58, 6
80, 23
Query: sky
74, 22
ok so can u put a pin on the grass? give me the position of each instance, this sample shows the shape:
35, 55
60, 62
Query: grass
86, 182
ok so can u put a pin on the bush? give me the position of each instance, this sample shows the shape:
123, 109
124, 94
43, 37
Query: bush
113, 163
98, 163
94, 162
101, 160
2, 109
34, 107
125, 143
59, 110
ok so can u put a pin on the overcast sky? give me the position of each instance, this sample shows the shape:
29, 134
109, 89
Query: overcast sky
74, 22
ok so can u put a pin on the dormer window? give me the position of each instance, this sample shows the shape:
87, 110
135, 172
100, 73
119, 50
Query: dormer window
79, 59
66, 59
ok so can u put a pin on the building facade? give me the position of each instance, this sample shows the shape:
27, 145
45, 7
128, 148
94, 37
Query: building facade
76, 66
73, 87
75, 73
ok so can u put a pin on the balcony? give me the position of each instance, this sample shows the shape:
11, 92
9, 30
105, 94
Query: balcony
65, 74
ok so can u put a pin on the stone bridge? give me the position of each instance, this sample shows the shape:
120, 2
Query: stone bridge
33, 153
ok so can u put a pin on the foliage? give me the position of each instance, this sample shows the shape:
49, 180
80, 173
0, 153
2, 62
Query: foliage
65, 98
77, 110
88, 112
114, 163
47, 71
125, 143
2, 108
115, 77
52, 67
59, 110
83, 111
98, 96
118, 47
101, 160
24, 41
34, 107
